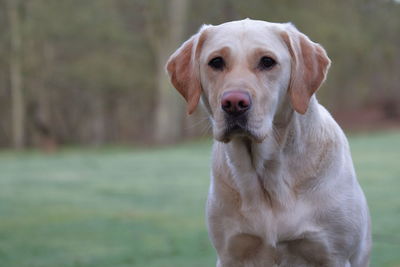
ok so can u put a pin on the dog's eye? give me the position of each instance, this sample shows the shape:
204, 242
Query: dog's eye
266, 63
217, 63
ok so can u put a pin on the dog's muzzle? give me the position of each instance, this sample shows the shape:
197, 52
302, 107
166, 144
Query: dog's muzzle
235, 105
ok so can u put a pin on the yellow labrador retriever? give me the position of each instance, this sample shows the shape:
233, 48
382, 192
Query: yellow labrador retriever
283, 189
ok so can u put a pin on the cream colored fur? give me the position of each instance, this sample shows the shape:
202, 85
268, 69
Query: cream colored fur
283, 193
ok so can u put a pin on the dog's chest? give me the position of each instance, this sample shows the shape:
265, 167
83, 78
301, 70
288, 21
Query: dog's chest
282, 223
275, 224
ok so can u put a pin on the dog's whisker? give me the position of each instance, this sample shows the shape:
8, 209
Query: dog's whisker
201, 121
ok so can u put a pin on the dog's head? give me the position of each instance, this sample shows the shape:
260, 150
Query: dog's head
245, 71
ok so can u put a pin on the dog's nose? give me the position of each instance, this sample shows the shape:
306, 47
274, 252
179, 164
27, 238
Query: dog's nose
235, 102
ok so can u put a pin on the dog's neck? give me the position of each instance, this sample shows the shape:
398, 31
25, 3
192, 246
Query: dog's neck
268, 160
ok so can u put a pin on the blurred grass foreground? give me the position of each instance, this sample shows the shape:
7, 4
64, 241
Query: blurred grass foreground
120, 207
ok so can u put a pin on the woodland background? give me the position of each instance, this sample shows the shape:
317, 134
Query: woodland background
76, 72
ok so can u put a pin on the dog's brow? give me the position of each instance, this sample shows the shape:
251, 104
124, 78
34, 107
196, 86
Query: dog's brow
223, 52
258, 52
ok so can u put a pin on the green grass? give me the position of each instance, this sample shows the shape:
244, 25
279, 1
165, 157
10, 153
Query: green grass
120, 207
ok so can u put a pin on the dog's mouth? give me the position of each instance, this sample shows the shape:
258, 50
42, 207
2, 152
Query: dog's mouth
234, 130
238, 127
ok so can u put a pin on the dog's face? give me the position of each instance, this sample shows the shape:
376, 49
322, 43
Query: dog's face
245, 71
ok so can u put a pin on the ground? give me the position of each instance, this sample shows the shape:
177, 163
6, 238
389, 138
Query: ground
134, 207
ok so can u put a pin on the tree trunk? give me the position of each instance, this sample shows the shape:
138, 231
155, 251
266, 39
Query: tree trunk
98, 127
17, 97
169, 110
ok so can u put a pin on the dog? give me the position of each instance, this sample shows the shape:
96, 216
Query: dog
283, 188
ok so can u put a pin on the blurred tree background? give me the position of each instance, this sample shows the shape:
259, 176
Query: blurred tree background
92, 72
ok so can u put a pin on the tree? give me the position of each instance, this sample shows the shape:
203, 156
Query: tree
16, 79
165, 34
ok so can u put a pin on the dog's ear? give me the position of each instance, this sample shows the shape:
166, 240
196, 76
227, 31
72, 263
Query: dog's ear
310, 65
183, 70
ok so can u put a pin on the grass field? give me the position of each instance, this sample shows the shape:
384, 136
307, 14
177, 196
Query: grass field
124, 207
